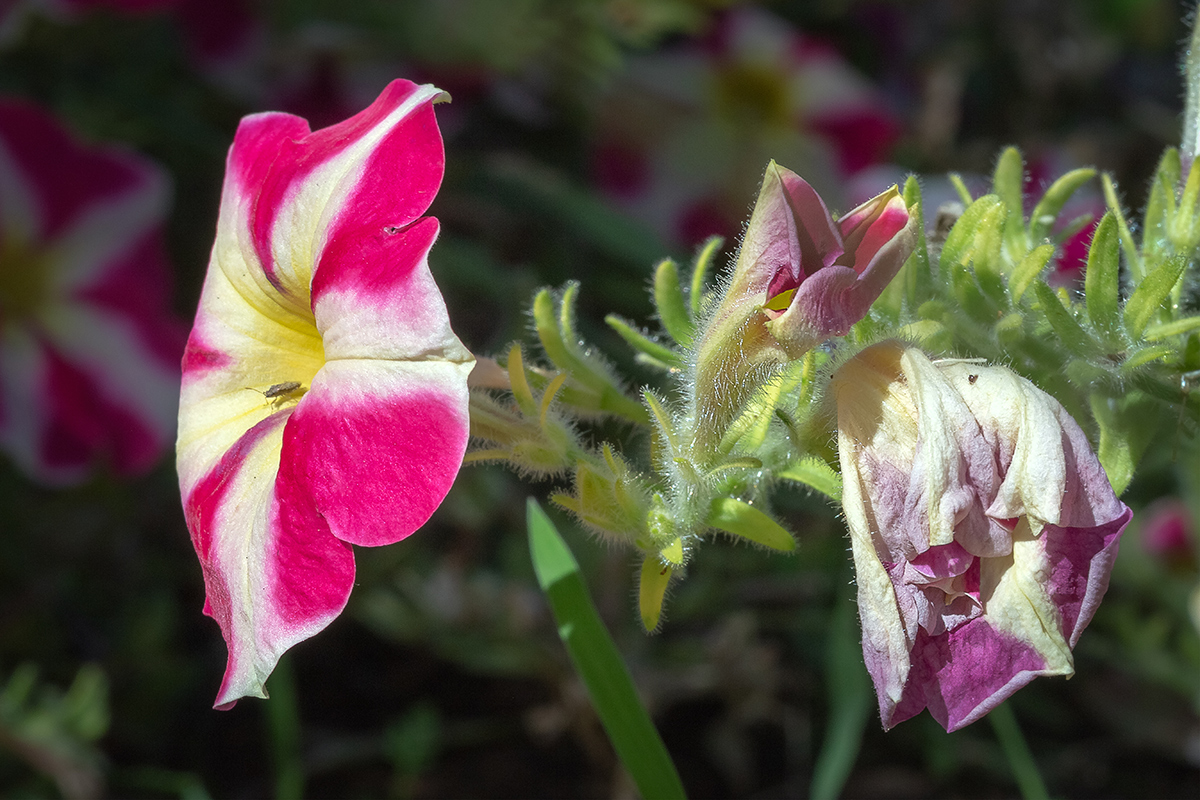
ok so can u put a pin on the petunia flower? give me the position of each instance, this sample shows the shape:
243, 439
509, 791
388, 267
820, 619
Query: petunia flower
983, 530
89, 350
684, 128
324, 397
801, 277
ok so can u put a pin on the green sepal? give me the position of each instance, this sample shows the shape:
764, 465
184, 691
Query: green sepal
1008, 182
652, 590
964, 194
1148, 297
747, 522
1028, 270
1160, 204
1125, 431
671, 305
1173, 328
1068, 329
700, 270
1045, 213
815, 474
649, 351
1101, 281
1133, 258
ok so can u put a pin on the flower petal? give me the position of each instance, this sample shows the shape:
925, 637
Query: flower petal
273, 574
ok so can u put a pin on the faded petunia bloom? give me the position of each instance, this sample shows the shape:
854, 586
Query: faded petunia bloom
983, 530
89, 350
324, 394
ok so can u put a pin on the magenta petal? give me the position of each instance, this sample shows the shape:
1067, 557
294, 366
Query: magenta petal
374, 466
963, 674
1081, 560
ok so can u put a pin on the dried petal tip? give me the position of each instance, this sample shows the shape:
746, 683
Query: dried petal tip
983, 530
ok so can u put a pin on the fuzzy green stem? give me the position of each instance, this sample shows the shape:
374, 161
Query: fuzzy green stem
1191, 107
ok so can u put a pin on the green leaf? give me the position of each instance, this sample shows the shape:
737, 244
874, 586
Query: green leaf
964, 194
849, 690
815, 474
669, 300
1160, 204
1101, 281
1008, 182
1045, 213
1020, 758
615, 698
1148, 297
918, 280
644, 344
1072, 334
1172, 328
1028, 270
744, 520
700, 270
1114, 451
1132, 257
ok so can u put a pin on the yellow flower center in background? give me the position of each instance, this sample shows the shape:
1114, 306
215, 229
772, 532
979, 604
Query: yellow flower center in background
752, 94
24, 280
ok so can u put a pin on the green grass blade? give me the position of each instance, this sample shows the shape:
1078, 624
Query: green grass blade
849, 690
1020, 759
598, 663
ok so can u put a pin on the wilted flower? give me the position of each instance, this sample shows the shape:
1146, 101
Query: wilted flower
983, 530
324, 394
89, 351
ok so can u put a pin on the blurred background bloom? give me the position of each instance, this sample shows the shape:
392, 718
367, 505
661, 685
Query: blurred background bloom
89, 350
683, 129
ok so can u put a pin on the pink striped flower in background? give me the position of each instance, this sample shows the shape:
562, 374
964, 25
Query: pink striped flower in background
684, 130
89, 351
324, 397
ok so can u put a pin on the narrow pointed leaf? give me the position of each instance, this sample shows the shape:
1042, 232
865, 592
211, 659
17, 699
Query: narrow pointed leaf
1072, 334
652, 590
672, 308
1150, 294
1009, 183
815, 474
744, 520
1045, 213
1028, 270
1132, 257
644, 344
700, 270
1101, 286
615, 698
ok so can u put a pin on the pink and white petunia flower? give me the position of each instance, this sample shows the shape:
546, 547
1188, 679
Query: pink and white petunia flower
983, 530
682, 133
324, 397
89, 350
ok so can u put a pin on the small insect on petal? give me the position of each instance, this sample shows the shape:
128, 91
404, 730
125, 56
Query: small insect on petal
282, 389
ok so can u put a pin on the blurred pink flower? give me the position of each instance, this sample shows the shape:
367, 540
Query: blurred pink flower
683, 133
324, 398
1167, 531
89, 355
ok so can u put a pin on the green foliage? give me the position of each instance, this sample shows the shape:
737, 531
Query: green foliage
598, 663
